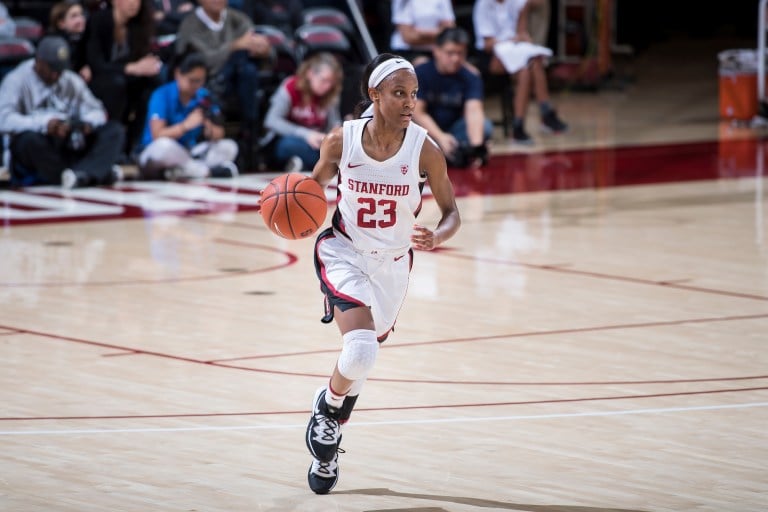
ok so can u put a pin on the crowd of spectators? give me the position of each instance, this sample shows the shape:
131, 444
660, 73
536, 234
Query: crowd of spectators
190, 88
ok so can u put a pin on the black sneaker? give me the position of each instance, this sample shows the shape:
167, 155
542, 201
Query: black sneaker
323, 430
224, 170
520, 136
322, 476
553, 124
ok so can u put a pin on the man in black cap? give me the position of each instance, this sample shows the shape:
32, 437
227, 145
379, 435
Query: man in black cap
59, 130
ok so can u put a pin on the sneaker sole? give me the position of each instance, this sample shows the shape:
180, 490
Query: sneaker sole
547, 129
321, 490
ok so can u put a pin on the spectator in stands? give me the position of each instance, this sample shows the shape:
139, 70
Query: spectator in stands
125, 72
282, 14
303, 110
59, 130
497, 21
7, 25
232, 52
68, 21
450, 101
169, 13
417, 23
184, 134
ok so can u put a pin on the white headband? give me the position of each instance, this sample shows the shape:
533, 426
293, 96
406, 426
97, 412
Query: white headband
386, 68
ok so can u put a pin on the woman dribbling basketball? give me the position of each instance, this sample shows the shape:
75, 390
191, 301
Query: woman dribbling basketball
381, 162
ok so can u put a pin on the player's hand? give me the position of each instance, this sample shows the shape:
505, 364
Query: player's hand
423, 239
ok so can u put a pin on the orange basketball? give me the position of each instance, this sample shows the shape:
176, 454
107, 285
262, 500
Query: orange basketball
293, 206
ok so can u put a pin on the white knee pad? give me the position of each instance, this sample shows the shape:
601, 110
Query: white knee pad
359, 354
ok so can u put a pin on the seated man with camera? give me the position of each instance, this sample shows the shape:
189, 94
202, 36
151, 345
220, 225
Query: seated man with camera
184, 134
59, 133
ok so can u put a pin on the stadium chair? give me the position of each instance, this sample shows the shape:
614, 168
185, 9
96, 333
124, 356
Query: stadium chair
312, 39
328, 16
28, 28
13, 50
284, 61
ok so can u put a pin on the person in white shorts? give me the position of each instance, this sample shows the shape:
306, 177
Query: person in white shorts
381, 162
501, 30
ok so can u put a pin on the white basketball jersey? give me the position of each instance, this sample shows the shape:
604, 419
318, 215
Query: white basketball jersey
378, 201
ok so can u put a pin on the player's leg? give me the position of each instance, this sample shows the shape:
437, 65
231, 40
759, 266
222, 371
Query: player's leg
332, 407
358, 354
347, 290
549, 118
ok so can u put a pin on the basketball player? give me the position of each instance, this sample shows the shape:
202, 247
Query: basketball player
381, 162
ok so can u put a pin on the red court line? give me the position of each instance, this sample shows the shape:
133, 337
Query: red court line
561, 269
127, 351
291, 259
394, 408
513, 335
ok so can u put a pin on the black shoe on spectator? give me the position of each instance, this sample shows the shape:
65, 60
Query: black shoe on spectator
520, 136
224, 170
553, 124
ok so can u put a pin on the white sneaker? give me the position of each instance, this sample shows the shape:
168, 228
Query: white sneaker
68, 179
117, 173
295, 164
195, 169
322, 476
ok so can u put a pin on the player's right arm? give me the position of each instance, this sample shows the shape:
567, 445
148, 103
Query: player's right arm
330, 156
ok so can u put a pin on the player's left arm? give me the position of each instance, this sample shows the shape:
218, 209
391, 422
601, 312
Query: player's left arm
433, 163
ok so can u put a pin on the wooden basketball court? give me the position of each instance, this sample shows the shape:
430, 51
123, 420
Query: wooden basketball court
591, 348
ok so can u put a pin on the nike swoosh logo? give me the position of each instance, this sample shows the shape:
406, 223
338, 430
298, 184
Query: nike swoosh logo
399, 257
352, 166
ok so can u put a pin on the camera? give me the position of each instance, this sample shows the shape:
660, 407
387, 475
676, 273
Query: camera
76, 139
210, 110
466, 155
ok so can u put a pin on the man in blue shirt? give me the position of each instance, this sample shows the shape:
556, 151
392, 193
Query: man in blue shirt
450, 101
184, 133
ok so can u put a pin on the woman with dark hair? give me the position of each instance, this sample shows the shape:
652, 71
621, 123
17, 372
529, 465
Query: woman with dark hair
184, 134
125, 72
303, 110
381, 163
67, 20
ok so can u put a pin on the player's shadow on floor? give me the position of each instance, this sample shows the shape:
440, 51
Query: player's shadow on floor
475, 502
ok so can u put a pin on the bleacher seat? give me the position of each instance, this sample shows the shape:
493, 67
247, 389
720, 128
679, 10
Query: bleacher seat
28, 28
312, 39
328, 16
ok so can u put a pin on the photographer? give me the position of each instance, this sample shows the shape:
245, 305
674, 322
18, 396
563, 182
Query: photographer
59, 132
184, 133
450, 101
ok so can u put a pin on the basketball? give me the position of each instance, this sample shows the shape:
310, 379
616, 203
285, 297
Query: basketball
293, 206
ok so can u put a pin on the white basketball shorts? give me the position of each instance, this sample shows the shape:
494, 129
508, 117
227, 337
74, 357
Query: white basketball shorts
353, 278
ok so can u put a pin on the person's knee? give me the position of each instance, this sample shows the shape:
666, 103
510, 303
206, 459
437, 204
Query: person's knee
359, 353
26, 145
227, 149
112, 131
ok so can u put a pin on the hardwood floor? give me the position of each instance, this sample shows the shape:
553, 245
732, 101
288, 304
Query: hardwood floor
592, 340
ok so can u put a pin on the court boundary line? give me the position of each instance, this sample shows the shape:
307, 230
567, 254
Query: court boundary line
625, 412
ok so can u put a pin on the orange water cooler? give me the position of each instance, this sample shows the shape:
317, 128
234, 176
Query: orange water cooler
738, 84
